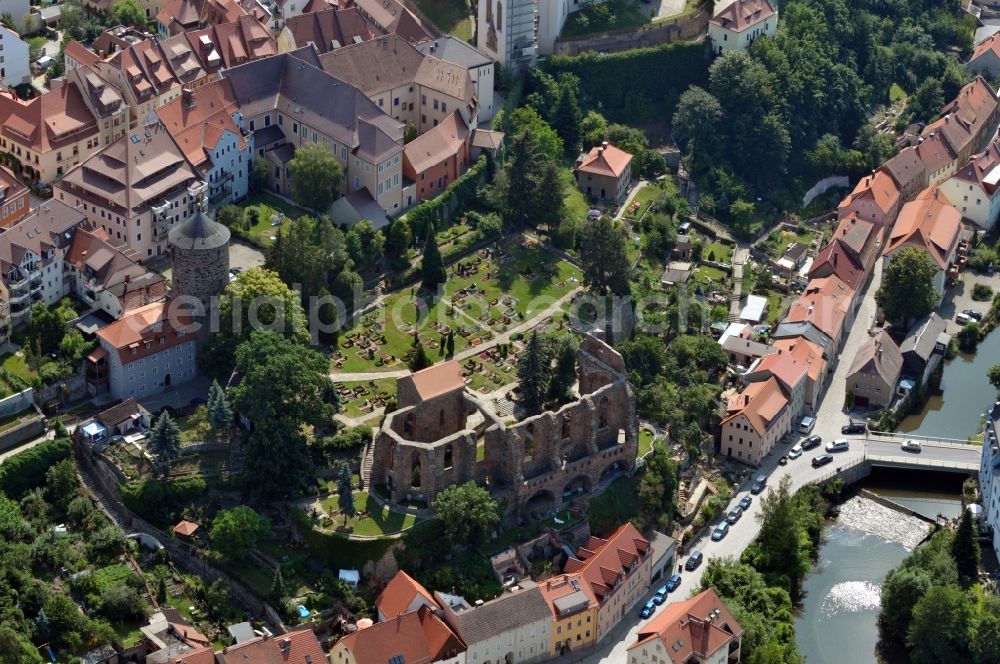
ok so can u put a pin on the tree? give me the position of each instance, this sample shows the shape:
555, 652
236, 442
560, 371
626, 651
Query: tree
128, 12
969, 336
61, 484
965, 550
468, 513
658, 489
46, 328
364, 243
220, 414
165, 441
986, 635
940, 629
527, 120
903, 588
563, 376
217, 597
451, 343
258, 175
533, 375
697, 120
993, 374
567, 117
400, 238
316, 176
345, 492
907, 291
606, 266
419, 359
778, 551
234, 216
120, 603
235, 531
277, 585
517, 183
432, 265
15, 650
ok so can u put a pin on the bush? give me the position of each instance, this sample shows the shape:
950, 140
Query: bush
26, 470
982, 293
982, 258
161, 501
348, 438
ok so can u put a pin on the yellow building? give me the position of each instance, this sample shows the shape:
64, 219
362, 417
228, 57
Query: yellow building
574, 613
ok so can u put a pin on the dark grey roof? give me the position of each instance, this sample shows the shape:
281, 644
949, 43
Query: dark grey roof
267, 135
803, 329
199, 232
502, 615
923, 336
453, 49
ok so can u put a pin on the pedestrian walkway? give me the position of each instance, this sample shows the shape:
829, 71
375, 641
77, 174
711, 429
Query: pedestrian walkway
740, 257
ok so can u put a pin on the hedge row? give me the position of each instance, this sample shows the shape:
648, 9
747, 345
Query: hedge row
25, 470
459, 195
643, 83
160, 501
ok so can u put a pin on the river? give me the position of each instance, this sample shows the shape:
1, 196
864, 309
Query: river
966, 395
838, 621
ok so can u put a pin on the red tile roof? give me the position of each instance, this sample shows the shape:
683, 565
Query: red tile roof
48, 121
686, 629
605, 160
743, 14
761, 403
438, 379
438, 144
981, 170
839, 259
879, 188
299, 647
991, 43
146, 331
929, 222
185, 528
784, 367
603, 563
419, 637
804, 351
399, 593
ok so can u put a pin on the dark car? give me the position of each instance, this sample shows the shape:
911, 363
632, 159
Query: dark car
758, 484
853, 427
647, 609
811, 442
694, 560
783, 461
673, 583
720, 531
822, 460
745, 502
972, 313
734, 514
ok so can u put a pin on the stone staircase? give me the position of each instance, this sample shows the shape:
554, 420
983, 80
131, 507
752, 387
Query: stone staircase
366, 464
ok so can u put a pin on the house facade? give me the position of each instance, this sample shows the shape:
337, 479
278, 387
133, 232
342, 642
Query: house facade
973, 188
810, 355
480, 66
738, 24
790, 373
15, 201
989, 474
145, 351
930, 223
574, 613
875, 372
604, 173
875, 198
756, 419
699, 630
437, 158
14, 65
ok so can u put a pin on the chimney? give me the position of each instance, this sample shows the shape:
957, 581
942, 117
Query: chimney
835, 260
604, 146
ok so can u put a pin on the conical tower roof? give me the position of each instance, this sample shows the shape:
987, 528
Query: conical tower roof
199, 232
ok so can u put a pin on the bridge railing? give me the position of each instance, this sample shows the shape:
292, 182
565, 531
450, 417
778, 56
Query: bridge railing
912, 460
889, 436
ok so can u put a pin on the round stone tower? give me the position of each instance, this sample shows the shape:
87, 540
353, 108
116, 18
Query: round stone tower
199, 250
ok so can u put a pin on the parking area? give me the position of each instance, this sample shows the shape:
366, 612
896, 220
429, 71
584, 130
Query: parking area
959, 298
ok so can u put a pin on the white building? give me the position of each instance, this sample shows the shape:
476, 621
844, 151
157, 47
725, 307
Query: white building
989, 475
516, 32
735, 26
973, 188
18, 11
456, 51
148, 349
13, 59
513, 628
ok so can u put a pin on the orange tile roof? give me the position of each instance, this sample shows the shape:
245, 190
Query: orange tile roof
80, 53
48, 121
605, 160
760, 403
202, 655
935, 153
438, 379
299, 647
196, 127
784, 367
438, 144
399, 593
153, 325
929, 222
603, 562
991, 43
806, 352
557, 587
824, 303
742, 14
880, 188
185, 528
685, 628
979, 167
419, 637
974, 104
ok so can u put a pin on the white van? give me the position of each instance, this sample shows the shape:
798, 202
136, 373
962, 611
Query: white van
807, 424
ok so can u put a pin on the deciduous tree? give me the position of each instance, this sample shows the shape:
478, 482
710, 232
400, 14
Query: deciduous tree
940, 629
316, 176
606, 266
364, 243
907, 291
235, 531
468, 513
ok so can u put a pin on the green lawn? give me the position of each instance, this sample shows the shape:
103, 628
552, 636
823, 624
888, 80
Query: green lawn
450, 16
719, 252
645, 441
15, 374
773, 307
646, 195
511, 286
575, 201
268, 207
376, 520
777, 243
605, 17
896, 93
705, 274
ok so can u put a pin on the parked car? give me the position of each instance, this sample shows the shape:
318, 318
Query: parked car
973, 314
963, 319
745, 502
811, 442
758, 484
647, 609
795, 452
660, 596
673, 583
912, 446
853, 427
734, 514
694, 560
720, 531
822, 460
839, 445
783, 461
807, 424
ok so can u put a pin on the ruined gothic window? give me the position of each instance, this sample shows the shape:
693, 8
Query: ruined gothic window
565, 425
441, 418
448, 456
